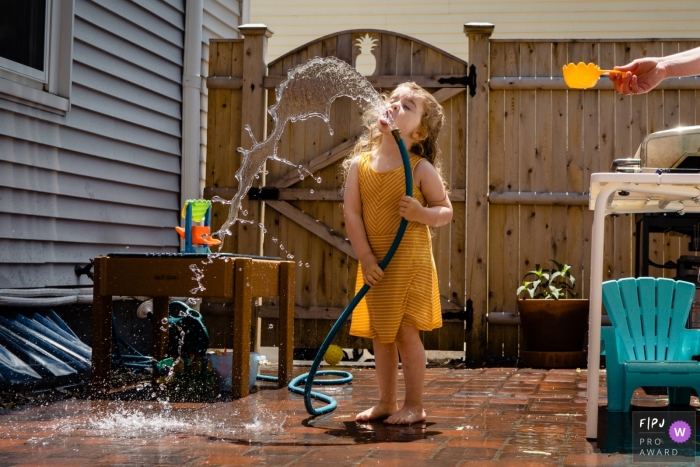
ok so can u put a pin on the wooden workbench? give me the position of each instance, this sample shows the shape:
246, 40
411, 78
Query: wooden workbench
162, 276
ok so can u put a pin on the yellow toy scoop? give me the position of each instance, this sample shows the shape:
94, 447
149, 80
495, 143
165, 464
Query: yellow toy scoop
582, 76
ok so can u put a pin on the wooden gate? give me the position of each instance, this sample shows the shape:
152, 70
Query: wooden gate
303, 218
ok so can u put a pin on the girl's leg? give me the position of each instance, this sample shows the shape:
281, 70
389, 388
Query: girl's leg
386, 360
413, 362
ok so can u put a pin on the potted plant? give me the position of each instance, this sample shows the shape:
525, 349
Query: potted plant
554, 322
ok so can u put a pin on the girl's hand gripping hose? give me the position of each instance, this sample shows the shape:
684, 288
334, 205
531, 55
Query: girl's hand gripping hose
308, 378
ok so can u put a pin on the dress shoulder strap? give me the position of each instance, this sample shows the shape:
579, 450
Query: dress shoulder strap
415, 160
364, 159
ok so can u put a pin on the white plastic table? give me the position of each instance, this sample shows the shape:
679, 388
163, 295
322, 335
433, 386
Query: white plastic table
624, 193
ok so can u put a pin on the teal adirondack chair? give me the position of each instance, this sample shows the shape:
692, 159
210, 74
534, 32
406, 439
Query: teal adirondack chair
647, 344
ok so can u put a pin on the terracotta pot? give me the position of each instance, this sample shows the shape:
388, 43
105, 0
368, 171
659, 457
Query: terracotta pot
554, 325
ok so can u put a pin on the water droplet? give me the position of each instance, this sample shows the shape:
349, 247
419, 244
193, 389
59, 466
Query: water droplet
257, 176
164, 321
307, 265
240, 269
290, 256
301, 263
312, 190
301, 177
127, 247
318, 180
270, 326
274, 240
261, 225
247, 284
245, 213
281, 247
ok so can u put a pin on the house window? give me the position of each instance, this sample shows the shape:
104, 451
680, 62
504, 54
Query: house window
23, 37
36, 47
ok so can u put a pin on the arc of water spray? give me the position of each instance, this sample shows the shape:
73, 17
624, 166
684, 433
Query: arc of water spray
309, 91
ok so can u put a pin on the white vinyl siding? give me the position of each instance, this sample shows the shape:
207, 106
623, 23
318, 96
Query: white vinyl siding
220, 19
440, 22
106, 177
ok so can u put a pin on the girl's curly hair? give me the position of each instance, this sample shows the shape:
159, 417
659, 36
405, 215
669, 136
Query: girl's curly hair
426, 145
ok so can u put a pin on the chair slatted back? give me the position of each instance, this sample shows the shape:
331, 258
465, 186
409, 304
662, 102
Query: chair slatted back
648, 315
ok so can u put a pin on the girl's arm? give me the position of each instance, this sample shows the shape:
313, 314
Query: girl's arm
352, 208
438, 212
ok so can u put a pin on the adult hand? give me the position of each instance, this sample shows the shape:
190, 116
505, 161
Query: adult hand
409, 208
638, 77
371, 272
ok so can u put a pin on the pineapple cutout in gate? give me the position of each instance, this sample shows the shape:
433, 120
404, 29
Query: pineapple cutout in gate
366, 63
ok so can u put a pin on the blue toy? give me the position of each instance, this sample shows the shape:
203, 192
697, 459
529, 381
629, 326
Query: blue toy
196, 237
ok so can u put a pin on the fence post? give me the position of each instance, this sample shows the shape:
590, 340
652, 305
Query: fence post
253, 111
477, 145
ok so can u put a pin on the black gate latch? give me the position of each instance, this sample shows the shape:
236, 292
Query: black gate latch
468, 81
263, 193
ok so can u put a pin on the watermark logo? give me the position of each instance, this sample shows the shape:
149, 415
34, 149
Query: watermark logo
680, 431
664, 437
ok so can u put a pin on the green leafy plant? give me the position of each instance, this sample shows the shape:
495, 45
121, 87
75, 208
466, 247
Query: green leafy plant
553, 283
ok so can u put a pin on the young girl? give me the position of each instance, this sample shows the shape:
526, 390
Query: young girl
404, 298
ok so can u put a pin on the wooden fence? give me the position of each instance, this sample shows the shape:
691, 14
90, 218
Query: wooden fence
544, 138
518, 155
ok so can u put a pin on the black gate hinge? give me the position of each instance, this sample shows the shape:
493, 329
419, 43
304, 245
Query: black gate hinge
468, 81
467, 315
263, 194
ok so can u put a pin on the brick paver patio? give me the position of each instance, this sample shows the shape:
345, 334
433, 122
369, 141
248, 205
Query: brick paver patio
483, 417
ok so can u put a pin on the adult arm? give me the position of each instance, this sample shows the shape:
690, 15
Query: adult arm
644, 74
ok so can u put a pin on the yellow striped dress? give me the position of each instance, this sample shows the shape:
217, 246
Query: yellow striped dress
408, 294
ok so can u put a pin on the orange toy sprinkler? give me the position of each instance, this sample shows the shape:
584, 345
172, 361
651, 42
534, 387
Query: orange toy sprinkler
196, 237
582, 76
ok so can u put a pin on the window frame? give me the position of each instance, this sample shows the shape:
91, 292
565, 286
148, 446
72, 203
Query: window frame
50, 92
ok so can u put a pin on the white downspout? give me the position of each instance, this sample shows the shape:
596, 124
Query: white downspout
191, 88
245, 11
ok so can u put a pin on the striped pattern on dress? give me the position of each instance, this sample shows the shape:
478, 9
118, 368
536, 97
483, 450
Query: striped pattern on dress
408, 295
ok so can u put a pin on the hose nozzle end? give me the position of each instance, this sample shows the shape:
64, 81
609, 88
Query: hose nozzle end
397, 135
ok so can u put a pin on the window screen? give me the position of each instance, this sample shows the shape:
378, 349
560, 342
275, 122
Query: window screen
22, 31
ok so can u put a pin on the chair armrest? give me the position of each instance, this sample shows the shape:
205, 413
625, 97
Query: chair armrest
609, 338
689, 344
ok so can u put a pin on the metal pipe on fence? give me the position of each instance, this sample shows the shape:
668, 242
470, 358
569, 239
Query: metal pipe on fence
556, 83
538, 198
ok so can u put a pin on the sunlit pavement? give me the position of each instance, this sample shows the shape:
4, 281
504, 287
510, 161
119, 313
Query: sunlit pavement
484, 417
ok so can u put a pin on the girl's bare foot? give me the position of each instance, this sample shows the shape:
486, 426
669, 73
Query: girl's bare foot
407, 415
378, 411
